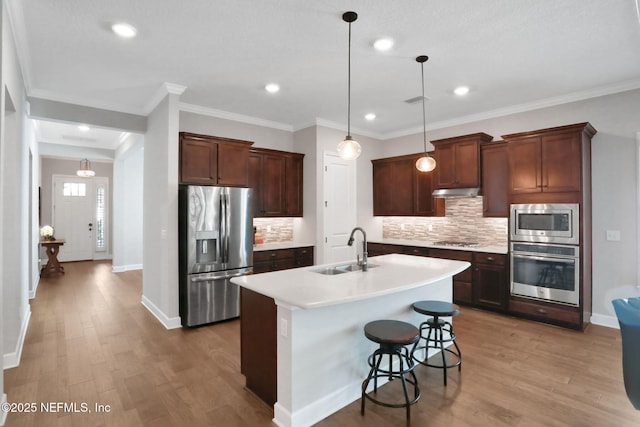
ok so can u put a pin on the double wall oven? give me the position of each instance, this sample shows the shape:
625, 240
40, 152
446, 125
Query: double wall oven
545, 252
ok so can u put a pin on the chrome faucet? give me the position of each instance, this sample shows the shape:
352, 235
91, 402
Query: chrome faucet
363, 264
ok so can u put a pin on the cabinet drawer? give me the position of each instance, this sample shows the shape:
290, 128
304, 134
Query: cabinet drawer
271, 255
545, 311
450, 254
284, 264
304, 257
383, 249
416, 250
487, 258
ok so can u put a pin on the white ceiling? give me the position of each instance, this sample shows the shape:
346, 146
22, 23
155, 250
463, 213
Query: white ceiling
514, 54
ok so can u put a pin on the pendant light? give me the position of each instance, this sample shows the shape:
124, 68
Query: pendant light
349, 149
85, 169
425, 163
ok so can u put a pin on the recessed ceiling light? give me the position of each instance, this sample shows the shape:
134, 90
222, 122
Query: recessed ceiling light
461, 90
370, 116
83, 128
383, 44
124, 30
272, 88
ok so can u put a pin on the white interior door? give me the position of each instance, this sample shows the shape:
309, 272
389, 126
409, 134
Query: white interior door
339, 207
73, 217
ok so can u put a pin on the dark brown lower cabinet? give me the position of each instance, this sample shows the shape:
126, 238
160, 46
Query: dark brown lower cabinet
556, 314
282, 259
490, 284
258, 343
462, 282
258, 321
485, 284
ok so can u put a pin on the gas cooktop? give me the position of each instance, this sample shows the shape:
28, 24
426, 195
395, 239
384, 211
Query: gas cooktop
456, 243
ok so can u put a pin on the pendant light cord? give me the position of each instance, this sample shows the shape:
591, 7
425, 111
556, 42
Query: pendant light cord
424, 113
349, 88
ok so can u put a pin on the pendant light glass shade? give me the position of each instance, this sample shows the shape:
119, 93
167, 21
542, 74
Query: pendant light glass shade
425, 163
349, 149
85, 169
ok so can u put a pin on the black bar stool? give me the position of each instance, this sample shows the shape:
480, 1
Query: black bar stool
393, 336
438, 327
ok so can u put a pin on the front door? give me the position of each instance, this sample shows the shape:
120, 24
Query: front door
339, 208
73, 217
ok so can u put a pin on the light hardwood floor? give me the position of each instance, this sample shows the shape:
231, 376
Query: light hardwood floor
90, 340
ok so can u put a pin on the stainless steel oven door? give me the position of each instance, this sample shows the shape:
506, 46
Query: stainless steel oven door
545, 277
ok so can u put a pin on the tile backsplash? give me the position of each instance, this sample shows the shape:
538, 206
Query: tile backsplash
275, 230
463, 222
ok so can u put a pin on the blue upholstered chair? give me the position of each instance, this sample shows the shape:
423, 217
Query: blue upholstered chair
628, 312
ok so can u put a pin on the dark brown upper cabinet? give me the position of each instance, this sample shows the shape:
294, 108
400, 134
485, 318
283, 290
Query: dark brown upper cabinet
495, 179
548, 160
211, 160
399, 189
459, 160
276, 179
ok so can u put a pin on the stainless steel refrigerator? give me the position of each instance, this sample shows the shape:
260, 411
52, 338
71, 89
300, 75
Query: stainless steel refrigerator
216, 244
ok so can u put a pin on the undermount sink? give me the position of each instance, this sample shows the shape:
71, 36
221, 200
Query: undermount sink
339, 269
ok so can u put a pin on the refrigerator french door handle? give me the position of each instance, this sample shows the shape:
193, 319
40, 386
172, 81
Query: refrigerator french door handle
224, 213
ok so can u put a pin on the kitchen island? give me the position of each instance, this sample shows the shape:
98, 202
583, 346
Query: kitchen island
321, 348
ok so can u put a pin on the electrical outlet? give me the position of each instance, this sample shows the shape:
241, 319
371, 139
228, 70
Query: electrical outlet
284, 327
402, 226
268, 229
613, 235
430, 227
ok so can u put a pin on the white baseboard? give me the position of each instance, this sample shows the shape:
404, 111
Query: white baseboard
32, 293
602, 320
127, 267
167, 322
99, 256
12, 360
3, 414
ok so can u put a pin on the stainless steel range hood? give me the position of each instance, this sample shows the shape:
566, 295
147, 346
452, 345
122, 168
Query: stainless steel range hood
456, 192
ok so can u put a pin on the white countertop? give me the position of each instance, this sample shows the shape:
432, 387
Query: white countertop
304, 288
280, 245
495, 249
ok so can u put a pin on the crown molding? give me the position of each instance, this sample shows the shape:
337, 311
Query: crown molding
522, 108
339, 126
220, 114
164, 90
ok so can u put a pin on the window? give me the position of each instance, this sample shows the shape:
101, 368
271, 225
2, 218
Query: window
101, 218
74, 189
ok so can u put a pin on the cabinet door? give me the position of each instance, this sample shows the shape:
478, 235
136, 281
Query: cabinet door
525, 166
255, 183
233, 165
466, 164
424, 203
489, 286
561, 163
198, 162
446, 166
382, 189
294, 179
495, 181
273, 185
402, 191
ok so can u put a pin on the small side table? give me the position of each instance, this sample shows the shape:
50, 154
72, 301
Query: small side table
53, 266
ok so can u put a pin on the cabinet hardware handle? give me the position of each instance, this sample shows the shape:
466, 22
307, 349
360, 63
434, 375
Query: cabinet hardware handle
490, 258
542, 311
